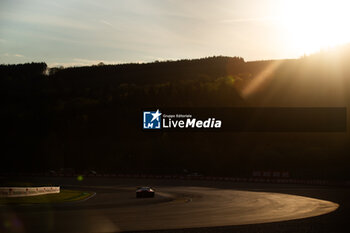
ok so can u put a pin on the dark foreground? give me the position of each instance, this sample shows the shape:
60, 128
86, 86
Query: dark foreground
192, 203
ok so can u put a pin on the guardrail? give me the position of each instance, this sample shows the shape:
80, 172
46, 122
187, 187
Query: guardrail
27, 191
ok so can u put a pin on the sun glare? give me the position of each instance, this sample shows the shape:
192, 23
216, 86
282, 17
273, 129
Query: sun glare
312, 25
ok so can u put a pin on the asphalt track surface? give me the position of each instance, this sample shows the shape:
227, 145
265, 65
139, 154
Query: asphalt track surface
179, 206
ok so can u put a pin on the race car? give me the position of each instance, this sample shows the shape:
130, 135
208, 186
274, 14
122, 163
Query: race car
142, 192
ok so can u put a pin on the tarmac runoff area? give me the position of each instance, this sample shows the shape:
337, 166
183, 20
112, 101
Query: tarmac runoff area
114, 208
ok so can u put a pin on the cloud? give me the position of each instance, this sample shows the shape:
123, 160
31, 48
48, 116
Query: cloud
82, 62
47, 20
12, 55
242, 20
106, 23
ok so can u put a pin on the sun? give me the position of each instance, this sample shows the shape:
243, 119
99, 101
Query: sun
313, 25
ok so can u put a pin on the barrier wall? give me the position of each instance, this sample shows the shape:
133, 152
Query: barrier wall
27, 191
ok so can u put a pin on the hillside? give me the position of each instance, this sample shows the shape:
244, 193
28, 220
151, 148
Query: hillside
88, 117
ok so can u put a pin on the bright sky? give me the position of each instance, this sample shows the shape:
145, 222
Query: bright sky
84, 32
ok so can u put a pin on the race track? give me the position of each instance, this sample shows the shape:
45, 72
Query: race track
114, 208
